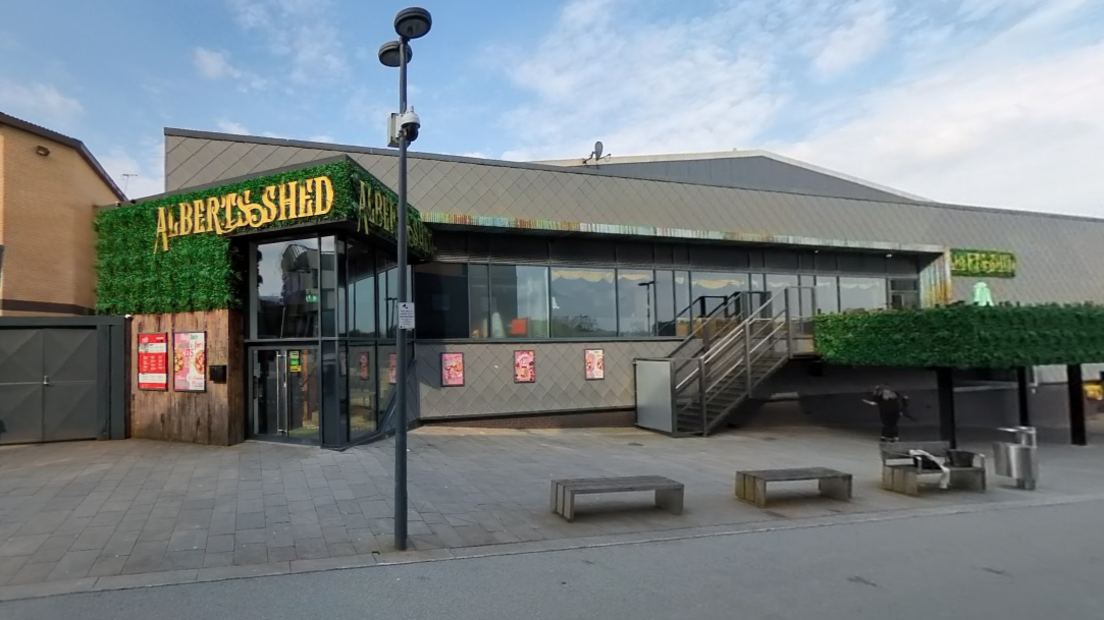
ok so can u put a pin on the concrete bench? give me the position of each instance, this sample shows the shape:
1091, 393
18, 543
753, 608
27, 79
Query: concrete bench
751, 486
902, 472
668, 493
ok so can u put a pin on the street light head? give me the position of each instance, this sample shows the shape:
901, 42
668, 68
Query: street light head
389, 54
413, 23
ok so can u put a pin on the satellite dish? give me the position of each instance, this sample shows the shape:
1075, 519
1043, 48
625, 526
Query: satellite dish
598, 150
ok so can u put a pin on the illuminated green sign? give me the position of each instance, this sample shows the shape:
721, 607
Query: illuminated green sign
983, 264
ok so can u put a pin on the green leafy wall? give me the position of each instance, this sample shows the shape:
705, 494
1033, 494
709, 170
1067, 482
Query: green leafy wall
199, 272
964, 336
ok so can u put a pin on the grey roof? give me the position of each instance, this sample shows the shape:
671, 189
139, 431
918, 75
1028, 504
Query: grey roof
1057, 255
753, 169
73, 143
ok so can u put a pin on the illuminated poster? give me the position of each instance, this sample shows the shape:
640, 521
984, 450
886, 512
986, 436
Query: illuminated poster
153, 362
595, 364
525, 366
392, 375
452, 369
190, 361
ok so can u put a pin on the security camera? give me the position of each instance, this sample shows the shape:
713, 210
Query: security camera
410, 124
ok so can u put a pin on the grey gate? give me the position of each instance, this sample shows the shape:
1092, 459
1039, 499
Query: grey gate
59, 382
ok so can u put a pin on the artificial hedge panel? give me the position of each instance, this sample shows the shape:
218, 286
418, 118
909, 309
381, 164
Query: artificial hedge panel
199, 272
964, 336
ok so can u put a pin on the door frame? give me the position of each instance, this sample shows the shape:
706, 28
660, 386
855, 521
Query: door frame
112, 343
251, 387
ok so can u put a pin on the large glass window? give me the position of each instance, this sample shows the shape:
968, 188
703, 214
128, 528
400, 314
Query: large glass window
288, 289
479, 298
713, 286
904, 293
362, 389
664, 295
387, 294
683, 312
862, 293
362, 290
519, 301
635, 302
827, 294
777, 284
329, 289
584, 303
441, 300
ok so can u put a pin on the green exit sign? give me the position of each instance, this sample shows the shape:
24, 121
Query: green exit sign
312, 298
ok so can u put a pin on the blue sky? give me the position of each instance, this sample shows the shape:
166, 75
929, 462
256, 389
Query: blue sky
992, 102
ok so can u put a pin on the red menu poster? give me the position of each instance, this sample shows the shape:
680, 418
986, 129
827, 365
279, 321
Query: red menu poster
153, 362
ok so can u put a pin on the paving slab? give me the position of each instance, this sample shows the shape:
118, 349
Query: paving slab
134, 513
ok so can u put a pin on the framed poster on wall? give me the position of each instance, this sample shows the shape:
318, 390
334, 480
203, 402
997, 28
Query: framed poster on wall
190, 361
595, 363
153, 362
525, 363
452, 369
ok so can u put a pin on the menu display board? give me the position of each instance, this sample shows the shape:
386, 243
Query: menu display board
525, 363
595, 360
452, 369
153, 362
190, 361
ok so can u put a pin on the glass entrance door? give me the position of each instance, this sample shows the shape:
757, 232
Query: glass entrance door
285, 401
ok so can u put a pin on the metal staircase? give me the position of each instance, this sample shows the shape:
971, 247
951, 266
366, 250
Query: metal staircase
726, 355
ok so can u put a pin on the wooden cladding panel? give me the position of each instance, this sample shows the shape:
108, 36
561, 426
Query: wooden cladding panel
215, 417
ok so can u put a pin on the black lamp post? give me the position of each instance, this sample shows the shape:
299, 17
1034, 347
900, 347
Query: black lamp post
412, 23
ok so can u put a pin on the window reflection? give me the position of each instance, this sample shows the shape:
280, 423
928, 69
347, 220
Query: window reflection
288, 291
441, 300
827, 294
584, 303
362, 290
519, 302
635, 302
776, 285
362, 388
479, 305
862, 294
714, 286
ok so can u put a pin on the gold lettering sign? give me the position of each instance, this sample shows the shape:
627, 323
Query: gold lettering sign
983, 264
225, 214
379, 212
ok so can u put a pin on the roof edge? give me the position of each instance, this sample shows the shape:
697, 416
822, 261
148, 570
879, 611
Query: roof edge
349, 148
73, 143
738, 154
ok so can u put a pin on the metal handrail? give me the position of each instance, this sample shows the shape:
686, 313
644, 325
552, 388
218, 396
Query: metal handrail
721, 346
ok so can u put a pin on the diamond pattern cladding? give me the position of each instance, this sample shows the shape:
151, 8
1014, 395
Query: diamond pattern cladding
561, 385
1058, 257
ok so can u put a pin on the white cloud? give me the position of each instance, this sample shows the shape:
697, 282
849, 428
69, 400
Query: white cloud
860, 37
214, 65
298, 30
970, 101
321, 138
226, 126
38, 103
148, 169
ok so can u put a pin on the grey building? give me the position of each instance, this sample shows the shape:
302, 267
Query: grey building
561, 258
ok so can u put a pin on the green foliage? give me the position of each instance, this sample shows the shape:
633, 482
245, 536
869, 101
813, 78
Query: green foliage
199, 272
964, 336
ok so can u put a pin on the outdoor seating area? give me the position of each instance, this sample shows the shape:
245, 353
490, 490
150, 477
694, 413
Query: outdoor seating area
906, 464
668, 493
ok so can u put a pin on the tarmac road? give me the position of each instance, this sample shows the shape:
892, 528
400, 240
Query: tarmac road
1012, 563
